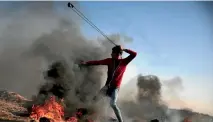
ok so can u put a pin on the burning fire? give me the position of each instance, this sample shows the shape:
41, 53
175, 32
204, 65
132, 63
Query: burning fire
52, 110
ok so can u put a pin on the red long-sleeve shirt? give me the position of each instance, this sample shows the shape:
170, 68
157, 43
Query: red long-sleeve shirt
118, 73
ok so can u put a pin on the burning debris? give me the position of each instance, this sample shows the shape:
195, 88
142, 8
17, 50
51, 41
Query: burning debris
50, 109
53, 111
53, 107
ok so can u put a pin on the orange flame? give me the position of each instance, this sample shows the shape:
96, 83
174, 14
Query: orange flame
52, 110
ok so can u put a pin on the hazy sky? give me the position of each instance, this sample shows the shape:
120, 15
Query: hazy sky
171, 38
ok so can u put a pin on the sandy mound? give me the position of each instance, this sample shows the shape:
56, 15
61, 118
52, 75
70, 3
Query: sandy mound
11, 104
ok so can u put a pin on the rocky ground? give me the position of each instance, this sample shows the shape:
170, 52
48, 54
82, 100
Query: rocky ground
12, 109
11, 105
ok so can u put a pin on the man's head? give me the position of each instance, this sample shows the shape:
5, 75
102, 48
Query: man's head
116, 52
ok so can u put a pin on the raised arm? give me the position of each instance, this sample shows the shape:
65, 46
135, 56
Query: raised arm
132, 55
97, 62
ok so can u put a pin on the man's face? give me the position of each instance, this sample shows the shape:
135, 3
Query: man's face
115, 55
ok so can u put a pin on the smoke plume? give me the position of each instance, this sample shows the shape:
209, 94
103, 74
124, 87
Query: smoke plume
173, 88
148, 104
34, 35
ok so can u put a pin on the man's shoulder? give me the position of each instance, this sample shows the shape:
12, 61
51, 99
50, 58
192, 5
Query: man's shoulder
108, 58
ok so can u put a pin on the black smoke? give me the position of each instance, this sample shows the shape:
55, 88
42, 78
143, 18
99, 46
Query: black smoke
34, 35
148, 104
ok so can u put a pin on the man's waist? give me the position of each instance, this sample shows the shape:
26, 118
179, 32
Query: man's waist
114, 80
114, 83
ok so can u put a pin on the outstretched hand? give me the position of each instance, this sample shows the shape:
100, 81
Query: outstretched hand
81, 63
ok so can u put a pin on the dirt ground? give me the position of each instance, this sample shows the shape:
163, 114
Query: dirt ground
11, 107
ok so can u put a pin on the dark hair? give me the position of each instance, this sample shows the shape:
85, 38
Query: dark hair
117, 49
